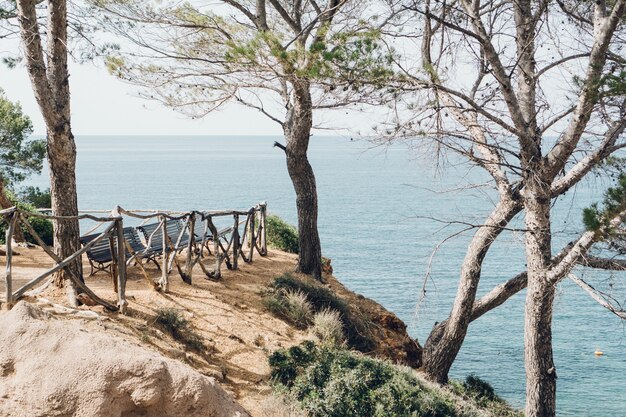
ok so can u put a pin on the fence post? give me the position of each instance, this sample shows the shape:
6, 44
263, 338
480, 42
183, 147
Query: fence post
165, 282
121, 265
191, 224
9, 255
252, 234
114, 257
264, 230
217, 274
235, 241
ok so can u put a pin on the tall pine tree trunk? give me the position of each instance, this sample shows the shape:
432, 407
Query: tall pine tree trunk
540, 370
50, 80
62, 160
297, 133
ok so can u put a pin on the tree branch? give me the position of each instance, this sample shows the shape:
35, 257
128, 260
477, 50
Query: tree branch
35, 64
608, 264
295, 26
598, 296
557, 158
582, 167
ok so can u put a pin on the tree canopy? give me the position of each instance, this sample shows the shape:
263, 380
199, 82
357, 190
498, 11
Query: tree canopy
20, 156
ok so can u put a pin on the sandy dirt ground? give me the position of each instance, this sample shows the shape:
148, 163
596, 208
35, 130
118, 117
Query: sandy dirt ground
239, 334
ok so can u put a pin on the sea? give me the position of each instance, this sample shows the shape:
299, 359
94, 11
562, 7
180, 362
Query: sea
395, 220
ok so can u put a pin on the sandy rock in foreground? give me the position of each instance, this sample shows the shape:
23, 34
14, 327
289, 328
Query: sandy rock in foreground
54, 367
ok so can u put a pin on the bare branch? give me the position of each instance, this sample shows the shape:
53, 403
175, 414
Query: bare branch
604, 28
600, 297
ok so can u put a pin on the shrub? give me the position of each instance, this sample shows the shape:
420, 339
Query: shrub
483, 395
300, 310
327, 327
355, 327
171, 321
43, 227
333, 382
290, 305
281, 235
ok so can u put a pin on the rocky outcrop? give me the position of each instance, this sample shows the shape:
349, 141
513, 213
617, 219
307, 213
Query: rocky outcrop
52, 367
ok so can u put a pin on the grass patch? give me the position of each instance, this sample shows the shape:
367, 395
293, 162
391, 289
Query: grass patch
291, 306
172, 322
327, 328
355, 327
281, 235
331, 382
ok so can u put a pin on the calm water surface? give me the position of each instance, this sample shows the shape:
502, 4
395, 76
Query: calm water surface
376, 223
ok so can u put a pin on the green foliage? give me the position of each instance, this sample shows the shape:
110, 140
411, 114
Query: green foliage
483, 395
337, 383
592, 217
281, 235
43, 227
615, 84
19, 156
321, 298
35, 196
171, 321
332, 382
596, 217
357, 55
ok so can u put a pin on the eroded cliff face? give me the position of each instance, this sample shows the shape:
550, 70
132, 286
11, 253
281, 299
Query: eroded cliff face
60, 367
388, 331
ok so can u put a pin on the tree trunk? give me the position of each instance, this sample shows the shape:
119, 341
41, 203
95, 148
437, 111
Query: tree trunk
50, 80
540, 370
445, 340
4, 199
297, 133
62, 160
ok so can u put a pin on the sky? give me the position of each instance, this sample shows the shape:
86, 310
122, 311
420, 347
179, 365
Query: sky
104, 105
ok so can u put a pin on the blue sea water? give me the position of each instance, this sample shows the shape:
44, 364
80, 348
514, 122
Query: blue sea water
379, 221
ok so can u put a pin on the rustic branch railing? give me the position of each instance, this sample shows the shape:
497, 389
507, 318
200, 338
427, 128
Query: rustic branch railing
228, 245
15, 217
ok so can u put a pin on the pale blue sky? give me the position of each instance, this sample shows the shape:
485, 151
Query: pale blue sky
103, 105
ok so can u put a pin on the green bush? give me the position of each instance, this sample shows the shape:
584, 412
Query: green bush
43, 227
281, 235
171, 321
331, 382
337, 383
483, 395
321, 298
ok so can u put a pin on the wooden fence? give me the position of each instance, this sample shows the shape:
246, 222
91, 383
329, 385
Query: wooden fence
229, 244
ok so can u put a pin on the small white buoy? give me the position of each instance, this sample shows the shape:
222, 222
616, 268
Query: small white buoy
598, 352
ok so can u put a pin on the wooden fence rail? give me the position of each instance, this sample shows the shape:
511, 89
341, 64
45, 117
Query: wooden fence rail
229, 245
